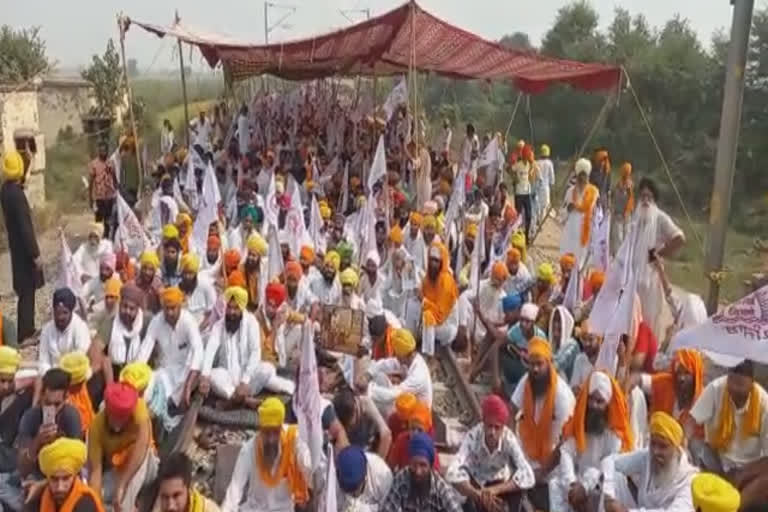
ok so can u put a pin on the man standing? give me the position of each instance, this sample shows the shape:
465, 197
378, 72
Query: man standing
102, 188
580, 201
26, 264
175, 490
545, 180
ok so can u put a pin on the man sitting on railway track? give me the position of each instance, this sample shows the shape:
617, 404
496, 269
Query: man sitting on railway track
418, 419
234, 347
364, 479
491, 470
599, 428
274, 466
199, 292
440, 294
175, 490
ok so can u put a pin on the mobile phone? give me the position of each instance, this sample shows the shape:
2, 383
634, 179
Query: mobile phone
49, 415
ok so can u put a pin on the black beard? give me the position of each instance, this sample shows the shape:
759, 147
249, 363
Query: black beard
420, 486
251, 266
129, 323
433, 274
188, 285
170, 266
232, 323
539, 383
329, 278
594, 421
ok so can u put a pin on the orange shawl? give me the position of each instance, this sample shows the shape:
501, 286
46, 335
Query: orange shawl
287, 468
630, 206
722, 437
79, 490
536, 435
268, 350
618, 418
386, 351
440, 296
252, 285
81, 401
586, 207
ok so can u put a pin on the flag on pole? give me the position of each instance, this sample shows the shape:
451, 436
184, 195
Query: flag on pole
456, 203
600, 242
573, 291
130, 235
307, 401
398, 96
207, 214
315, 226
490, 154
294, 222
271, 209
70, 276
620, 324
274, 255
379, 165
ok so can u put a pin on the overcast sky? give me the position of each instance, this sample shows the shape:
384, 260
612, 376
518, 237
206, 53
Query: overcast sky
76, 29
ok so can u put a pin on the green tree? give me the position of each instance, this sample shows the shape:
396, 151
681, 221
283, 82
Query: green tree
22, 54
517, 41
105, 73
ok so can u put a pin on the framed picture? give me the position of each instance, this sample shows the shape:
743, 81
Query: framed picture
341, 329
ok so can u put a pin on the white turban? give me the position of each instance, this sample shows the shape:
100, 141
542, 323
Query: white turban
600, 383
430, 207
529, 311
583, 165
373, 255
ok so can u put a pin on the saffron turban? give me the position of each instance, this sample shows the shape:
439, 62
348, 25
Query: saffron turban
232, 258
405, 403
416, 219
396, 235
546, 273
77, 365
109, 259
349, 277
596, 279
712, 493
351, 468
306, 255
544, 151
170, 232
293, 269
257, 244
275, 294
214, 243
421, 445
499, 271
271, 413
112, 287
238, 295
422, 416
511, 302
540, 347
513, 256
403, 342
495, 410
131, 293
64, 297
136, 374
333, 259
63, 455
236, 278
190, 262
149, 259
9, 360
120, 401
567, 261
626, 170
172, 296
664, 425
13, 166
529, 311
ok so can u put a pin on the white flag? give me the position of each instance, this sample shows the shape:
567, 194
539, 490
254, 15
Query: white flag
456, 202
600, 242
211, 189
397, 97
329, 172
130, 235
490, 154
70, 276
367, 231
271, 209
379, 165
207, 214
294, 222
315, 226
477, 256
621, 323
274, 255
573, 291
306, 401
328, 500
344, 200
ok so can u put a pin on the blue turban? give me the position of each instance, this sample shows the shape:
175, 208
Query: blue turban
64, 297
421, 445
253, 212
351, 468
511, 302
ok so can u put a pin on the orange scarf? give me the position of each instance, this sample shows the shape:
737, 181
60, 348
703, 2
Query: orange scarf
440, 295
586, 207
536, 435
79, 490
630, 206
386, 351
723, 436
268, 351
618, 418
185, 242
252, 285
81, 401
663, 396
287, 468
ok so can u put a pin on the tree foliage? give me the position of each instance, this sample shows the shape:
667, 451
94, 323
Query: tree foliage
22, 54
106, 75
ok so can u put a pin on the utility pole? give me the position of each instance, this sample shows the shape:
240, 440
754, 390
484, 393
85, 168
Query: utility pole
727, 145
177, 19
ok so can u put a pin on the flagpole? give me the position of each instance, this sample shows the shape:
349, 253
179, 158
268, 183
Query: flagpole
121, 25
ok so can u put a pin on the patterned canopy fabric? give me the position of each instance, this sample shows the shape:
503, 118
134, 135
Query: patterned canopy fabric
393, 43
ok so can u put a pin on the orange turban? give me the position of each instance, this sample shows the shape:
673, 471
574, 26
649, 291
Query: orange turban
307, 255
536, 434
236, 278
567, 261
596, 279
513, 256
172, 296
275, 294
540, 347
396, 235
527, 153
293, 269
603, 161
499, 271
618, 413
416, 219
404, 405
510, 214
626, 170
214, 242
422, 415
232, 258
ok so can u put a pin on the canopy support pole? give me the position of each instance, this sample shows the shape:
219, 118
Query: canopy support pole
177, 19
514, 113
121, 26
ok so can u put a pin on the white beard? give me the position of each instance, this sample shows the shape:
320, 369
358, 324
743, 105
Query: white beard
662, 477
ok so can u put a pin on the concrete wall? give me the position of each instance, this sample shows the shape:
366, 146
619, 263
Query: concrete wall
18, 110
60, 106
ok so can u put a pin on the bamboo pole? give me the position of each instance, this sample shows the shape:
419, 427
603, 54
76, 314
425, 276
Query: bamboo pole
177, 19
121, 26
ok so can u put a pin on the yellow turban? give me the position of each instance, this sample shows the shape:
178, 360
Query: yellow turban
430, 221
173, 296
112, 287
183, 219
271, 413
136, 374
238, 294
471, 230
540, 347
13, 166
64, 454
545, 272
403, 342
76, 364
149, 259
190, 262
170, 232
332, 258
9, 360
325, 211
664, 425
396, 235
96, 228
712, 493
257, 244
349, 277
544, 150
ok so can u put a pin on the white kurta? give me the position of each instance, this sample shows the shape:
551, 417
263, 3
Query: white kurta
202, 299
418, 381
54, 343
378, 482
88, 258
259, 497
490, 304
179, 351
324, 293
570, 239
